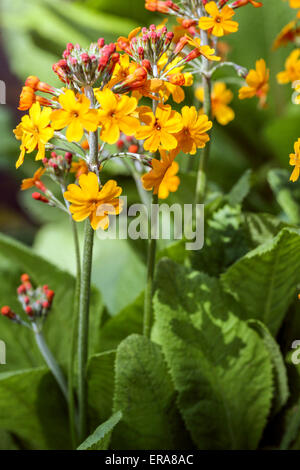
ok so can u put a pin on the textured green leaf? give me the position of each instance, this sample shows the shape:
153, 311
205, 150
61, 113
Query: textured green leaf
281, 393
287, 193
145, 395
16, 259
100, 378
292, 428
100, 438
265, 279
32, 407
262, 227
220, 367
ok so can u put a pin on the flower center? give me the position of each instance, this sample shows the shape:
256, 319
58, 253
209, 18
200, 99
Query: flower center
218, 19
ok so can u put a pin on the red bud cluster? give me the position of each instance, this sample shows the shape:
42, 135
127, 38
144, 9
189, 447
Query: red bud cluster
83, 67
57, 164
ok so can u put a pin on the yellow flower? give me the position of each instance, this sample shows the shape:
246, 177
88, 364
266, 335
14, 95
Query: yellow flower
30, 182
295, 161
257, 83
159, 129
294, 3
292, 68
193, 135
79, 168
162, 178
206, 51
34, 131
168, 88
116, 115
88, 200
75, 114
219, 21
122, 70
286, 35
220, 98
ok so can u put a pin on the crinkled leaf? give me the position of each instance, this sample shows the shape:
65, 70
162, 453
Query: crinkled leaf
100, 438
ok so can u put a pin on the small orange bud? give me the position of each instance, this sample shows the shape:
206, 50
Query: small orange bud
176, 79
25, 278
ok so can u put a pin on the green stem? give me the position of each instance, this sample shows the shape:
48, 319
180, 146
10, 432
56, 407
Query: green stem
83, 326
51, 362
148, 304
204, 155
72, 408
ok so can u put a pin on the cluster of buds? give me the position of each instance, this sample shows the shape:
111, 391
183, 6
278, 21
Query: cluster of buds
84, 67
36, 303
193, 9
149, 46
58, 165
129, 144
28, 94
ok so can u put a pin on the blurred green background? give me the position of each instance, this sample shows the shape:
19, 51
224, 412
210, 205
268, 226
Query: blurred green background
32, 37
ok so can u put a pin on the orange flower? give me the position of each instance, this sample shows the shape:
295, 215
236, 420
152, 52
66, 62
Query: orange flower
220, 98
295, 161
34, 181
292, 68
286, 35
193, 135
257, 83
88, 200
163, 177
219, 21
123, 42
79, 168
36, 84
205, 51
28, 98
159, 128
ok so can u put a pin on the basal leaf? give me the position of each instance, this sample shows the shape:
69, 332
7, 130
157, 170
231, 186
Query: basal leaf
100, 438
144, 393
264, 281
220, 367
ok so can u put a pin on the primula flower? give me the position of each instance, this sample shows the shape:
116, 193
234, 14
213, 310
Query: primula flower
79, 168
219, 21
88, 200
28, 98
288, 34
257, 83
34, 132
160, 128
294, 3
34, 181
292, 68
116, 115
220, 98
206, 51
168, 88
75, 114
163, 177
295, 161
122, 70
193, 135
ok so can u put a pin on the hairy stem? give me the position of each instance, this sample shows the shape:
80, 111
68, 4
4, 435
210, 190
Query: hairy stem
204, 155
148, 304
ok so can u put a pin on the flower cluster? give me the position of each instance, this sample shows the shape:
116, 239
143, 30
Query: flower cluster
35, 303
291, 73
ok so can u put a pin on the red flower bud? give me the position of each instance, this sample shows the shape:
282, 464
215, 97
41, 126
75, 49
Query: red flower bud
133, 148
45, 304
29, 311
101, 42
25, 278
50, 295
21, 289
39, 197
7, 312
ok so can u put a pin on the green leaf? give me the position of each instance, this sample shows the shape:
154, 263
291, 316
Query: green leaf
144, 393
241, 189
265, 279
287, 194
7, 442
16, 259
281, 394
220, 367
32, 407
226, 241
100, 379
100, 438
292, 428
125, 323
262, 227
